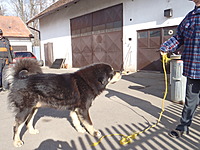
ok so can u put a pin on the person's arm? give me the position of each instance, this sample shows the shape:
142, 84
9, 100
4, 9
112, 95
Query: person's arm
10, 52
12, 56
171, 44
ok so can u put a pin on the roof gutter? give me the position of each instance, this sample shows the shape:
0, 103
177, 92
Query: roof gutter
39, 35
34, 30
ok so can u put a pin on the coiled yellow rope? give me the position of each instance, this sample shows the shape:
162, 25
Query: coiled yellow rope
128, 139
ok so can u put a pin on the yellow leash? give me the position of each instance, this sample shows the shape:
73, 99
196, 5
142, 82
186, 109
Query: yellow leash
128, 139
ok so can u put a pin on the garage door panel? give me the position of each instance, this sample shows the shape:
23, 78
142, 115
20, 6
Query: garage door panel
155, 42
99, 57
114, 14
114, 41
99, 41
113, 58
76, 45
86, 44
149, 57
81, 59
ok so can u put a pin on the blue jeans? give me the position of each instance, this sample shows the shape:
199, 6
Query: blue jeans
192, 100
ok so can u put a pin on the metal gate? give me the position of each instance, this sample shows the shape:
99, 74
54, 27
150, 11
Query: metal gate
97, 37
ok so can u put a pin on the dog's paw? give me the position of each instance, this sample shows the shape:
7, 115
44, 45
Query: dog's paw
81, 130
97, 134
33, 131
18, 143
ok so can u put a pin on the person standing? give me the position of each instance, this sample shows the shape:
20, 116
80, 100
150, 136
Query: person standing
188, 34
6, 54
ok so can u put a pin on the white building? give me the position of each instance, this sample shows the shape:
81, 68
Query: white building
125, 33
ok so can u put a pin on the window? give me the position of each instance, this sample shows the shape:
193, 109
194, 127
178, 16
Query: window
142, 34
154, 40
143, 39
155, 33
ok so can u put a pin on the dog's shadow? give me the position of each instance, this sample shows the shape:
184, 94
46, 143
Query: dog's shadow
54, 113
51, 112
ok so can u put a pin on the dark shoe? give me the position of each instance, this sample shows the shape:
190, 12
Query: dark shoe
177, 133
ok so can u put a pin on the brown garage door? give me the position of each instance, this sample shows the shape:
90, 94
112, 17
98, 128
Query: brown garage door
97, 37
149, 42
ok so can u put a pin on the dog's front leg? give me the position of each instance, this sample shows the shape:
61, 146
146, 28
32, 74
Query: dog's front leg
76, 122
85, 119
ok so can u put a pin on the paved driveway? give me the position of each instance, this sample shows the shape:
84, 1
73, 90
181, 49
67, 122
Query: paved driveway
130, 105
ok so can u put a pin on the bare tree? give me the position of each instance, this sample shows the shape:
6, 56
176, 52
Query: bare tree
27, 9
36, 6
1, 11
2, 8
18, 8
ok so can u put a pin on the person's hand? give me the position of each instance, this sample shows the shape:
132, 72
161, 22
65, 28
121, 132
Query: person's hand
162, 53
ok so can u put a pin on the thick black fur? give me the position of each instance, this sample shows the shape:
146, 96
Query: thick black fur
70, 90
31, 89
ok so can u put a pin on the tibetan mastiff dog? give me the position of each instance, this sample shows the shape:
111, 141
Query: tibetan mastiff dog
32, 89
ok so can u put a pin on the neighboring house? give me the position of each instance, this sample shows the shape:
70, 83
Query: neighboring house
124, 33
17, 32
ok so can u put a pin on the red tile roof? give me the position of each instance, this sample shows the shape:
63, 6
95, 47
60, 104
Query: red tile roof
13, 26
54, 7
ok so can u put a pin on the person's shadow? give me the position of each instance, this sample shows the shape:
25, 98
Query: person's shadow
50, 144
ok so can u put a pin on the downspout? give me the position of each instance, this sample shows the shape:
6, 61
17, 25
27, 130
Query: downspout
39, 36
34, 30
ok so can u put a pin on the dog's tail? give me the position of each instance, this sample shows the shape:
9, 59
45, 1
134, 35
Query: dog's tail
25, 67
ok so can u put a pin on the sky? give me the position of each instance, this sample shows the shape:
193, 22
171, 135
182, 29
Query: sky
8, 6
5, 4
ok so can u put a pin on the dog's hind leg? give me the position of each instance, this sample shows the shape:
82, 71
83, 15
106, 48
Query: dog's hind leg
84, 118
20, 120
76, 122
29, 122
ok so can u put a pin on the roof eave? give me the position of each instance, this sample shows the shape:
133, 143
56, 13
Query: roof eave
40, 15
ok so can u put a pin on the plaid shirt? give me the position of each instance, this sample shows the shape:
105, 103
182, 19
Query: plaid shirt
188, 34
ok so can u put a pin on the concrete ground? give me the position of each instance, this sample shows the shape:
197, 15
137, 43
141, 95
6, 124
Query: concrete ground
128, 106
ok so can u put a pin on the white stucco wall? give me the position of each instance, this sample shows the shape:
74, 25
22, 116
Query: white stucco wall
18, 42
137, 15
